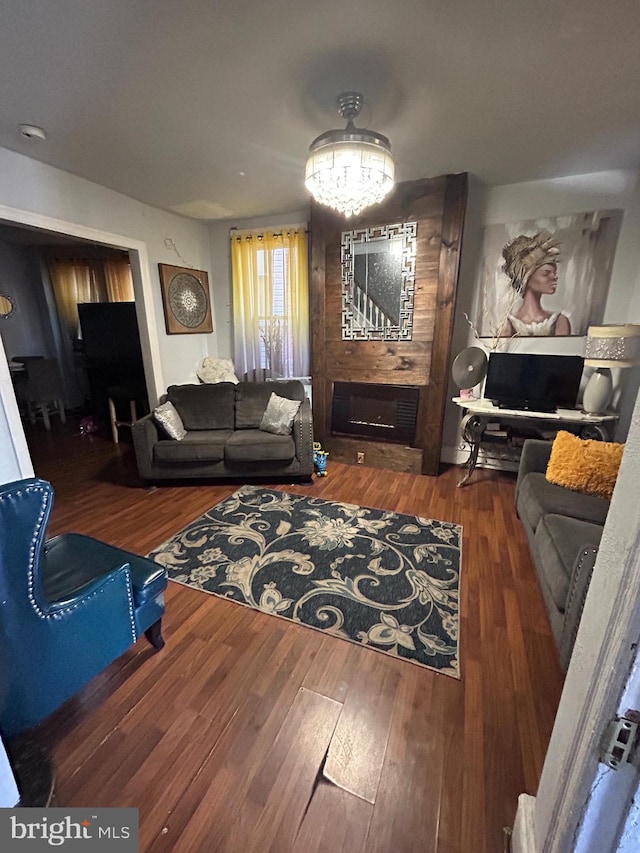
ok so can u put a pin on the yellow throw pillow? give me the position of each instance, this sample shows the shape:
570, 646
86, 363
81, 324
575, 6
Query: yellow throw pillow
584, 465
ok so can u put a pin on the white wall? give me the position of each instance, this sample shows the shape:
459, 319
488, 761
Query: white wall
601, 681
26, 331
15, 461
28, 185
9, 795
557, 196
609, 807
535, 199
9, 467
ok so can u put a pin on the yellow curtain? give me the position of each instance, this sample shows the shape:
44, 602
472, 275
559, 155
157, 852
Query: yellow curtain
271, 302
117, 274
76, 280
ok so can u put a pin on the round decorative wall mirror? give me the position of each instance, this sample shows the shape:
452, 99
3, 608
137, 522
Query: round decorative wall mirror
7, 306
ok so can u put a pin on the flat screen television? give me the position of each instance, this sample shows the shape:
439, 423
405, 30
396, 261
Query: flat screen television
539, 383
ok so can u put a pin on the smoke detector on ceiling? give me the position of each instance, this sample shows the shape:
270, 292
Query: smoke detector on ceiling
31, 131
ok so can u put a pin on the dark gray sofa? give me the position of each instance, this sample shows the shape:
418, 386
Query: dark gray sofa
564, 529
223, 437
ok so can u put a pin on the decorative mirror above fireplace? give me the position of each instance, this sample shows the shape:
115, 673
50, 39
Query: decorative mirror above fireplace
378, 282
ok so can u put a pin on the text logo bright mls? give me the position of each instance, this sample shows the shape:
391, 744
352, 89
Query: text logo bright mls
42, 829
54, 832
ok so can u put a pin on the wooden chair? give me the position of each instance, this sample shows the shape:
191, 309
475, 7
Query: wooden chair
258, 374
118, 396
44, 391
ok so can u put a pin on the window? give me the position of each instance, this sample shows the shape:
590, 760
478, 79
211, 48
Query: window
271, 303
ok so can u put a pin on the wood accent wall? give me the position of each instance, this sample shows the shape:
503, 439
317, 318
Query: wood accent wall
438, 206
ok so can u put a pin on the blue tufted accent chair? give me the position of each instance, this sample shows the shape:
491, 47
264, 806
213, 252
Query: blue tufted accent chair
69, 606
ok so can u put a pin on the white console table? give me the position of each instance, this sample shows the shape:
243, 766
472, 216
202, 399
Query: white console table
480, 413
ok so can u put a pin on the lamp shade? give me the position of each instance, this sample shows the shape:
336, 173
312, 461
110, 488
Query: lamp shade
613, 346
349, 169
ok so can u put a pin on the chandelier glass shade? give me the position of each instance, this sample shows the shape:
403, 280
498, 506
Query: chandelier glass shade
349, 169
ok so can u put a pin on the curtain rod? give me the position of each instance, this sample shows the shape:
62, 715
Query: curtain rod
258, 232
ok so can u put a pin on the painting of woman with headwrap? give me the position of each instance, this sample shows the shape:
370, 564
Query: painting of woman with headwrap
531, 264
547, 277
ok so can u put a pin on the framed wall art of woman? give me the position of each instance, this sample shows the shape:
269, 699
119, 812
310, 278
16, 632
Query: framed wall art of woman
546, 277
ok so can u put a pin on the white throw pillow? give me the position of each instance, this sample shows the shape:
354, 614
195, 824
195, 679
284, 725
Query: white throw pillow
167, 416
217, 370
279, 415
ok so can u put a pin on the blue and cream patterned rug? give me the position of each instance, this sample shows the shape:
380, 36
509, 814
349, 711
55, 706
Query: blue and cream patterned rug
387, 581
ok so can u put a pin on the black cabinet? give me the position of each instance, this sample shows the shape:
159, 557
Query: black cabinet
112, 355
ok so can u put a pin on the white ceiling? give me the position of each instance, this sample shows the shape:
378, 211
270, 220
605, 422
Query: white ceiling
207, 107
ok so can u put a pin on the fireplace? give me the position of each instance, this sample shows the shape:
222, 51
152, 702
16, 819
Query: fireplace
378, 412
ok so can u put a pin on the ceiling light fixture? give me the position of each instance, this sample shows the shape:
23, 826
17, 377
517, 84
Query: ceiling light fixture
30, 131
349, 169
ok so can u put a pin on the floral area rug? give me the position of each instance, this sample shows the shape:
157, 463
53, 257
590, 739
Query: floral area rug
387, 581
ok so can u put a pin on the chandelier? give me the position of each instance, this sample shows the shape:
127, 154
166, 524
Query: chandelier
349, 169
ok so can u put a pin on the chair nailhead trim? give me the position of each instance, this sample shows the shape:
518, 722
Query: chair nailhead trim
33, 551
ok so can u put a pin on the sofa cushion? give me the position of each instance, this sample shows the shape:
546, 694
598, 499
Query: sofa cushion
202, 445
217, 370
252, 399
584, 465
204, 406
166, 415
279, 415
538, 497
559, 542
253, 445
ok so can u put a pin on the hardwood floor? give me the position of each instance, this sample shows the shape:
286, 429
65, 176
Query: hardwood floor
248, 733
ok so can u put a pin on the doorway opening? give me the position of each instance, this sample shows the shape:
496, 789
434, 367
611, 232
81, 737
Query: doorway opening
35, 229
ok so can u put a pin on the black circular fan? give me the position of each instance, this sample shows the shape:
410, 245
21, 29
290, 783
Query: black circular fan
469, 367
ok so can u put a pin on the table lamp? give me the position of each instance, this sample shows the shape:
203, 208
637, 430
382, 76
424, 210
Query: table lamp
606, 347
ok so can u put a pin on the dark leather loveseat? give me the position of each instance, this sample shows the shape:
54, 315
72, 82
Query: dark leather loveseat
224, 439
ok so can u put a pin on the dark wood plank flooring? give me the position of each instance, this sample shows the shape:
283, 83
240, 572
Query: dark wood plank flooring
222, 740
